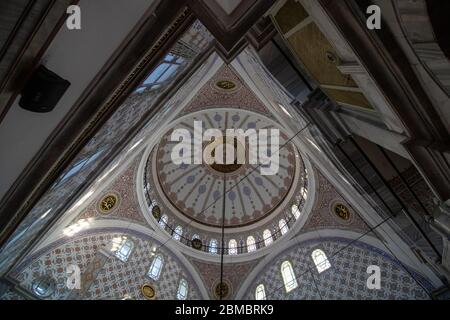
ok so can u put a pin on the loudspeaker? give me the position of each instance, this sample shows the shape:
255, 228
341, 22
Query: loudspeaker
43, 91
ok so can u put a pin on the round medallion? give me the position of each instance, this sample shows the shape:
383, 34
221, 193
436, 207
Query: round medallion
108, 203
221, 290
156, 212
148, 291
226, 85
197, 244
341, 211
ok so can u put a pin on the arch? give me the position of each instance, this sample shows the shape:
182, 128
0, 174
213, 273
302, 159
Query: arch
425, 275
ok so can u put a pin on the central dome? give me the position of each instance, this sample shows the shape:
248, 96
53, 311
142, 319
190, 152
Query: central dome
200, 190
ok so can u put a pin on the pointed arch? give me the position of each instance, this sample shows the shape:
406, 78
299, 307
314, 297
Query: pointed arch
232, 247
260, 292
295, 210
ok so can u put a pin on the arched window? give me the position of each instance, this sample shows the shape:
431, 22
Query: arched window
232, 247
177, 233
267, 235
213, 246
260, 292
182, 291
295, 211
251, 245
124, 250
163, 221
320, 260
156, 267
195, 236
283, 226
290, 282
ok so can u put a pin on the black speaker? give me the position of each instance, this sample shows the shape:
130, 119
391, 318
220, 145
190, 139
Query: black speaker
43, 91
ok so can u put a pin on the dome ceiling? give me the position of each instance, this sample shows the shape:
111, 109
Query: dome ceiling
196, 190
